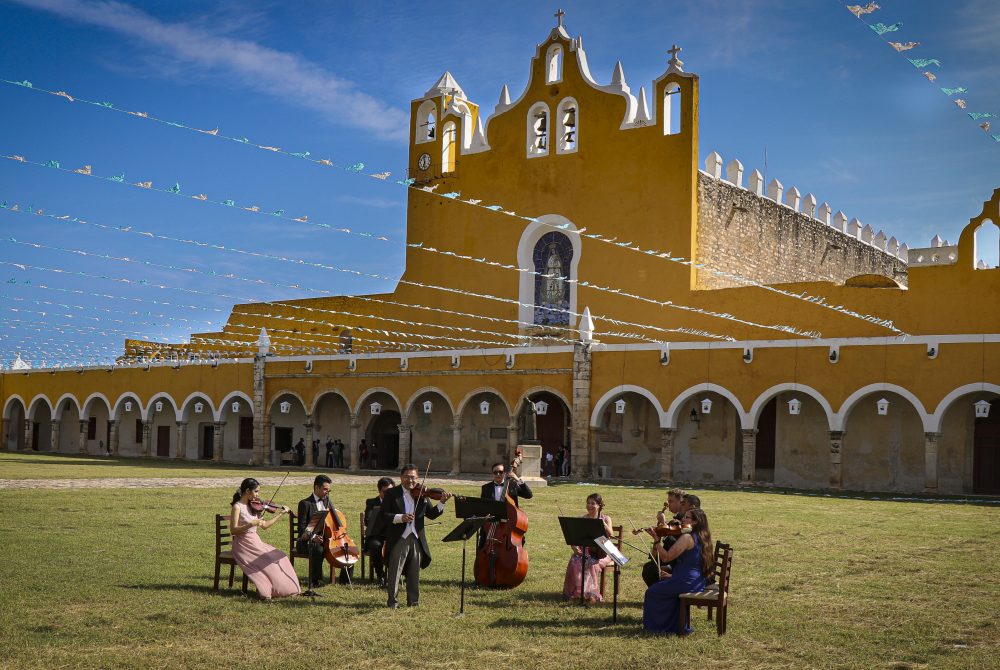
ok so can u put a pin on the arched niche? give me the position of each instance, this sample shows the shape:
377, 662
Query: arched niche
708, 446
287, 418
483, 434
199, 427
162, 413
14, 415
429, 417
628, 436
426, 120
968, 449
567, 126
531, 256
537, 131
128, 412
379, 416
882, 452
332, 421
554, 64
236, 411
544, 417
68, 416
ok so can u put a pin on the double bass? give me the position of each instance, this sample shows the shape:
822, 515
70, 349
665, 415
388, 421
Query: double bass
339, 549
503, 561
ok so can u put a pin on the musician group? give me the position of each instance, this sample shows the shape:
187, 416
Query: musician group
680, 559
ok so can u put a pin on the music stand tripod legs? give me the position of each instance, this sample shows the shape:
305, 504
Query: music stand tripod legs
469, 527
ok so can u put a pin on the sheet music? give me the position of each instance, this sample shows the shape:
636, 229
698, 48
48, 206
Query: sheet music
611, 550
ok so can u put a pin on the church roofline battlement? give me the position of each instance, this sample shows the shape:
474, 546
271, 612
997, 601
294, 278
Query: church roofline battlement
805, 205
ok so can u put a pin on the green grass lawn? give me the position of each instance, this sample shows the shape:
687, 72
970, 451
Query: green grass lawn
122, 578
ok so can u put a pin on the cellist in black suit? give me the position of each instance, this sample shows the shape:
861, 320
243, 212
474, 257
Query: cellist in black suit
494, 490
403, 519
318, 501
375, 529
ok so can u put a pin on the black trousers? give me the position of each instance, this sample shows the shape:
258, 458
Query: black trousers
373, 547
317, 561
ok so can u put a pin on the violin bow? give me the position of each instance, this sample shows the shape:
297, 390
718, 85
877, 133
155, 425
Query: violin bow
637, 530
277, 489
423, 487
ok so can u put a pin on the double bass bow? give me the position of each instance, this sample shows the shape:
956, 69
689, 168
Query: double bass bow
503, 560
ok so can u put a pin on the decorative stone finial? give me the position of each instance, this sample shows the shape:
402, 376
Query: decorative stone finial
642, 115
504, 97
618, 77
263, 342
675, 63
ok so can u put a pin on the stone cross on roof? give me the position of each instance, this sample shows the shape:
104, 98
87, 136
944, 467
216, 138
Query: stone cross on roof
559, 17
675, 62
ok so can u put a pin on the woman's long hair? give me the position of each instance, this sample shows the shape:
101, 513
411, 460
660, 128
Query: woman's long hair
248, 484
700, 525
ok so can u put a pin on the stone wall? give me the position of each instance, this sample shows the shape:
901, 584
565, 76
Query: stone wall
751, 235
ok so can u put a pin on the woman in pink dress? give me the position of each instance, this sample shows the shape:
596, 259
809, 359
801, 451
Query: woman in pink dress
268, 568
582, 558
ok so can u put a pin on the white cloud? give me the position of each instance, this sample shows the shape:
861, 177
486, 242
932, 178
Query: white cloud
277, 73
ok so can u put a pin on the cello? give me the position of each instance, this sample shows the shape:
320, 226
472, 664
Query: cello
338, 548
503, 561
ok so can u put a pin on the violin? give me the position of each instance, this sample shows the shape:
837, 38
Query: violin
420, 491
503, 560
259, 506
672, 529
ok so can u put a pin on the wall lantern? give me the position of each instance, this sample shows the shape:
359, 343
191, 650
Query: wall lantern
484, 407
285, 407
619, 406
128, 405
428, 406
376, 408
982, 409
747, 355
883, 407
541, 408
159, 405
198, 407
706, 406
794, 406
236, 407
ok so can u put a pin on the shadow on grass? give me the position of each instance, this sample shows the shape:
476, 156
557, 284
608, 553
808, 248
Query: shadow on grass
628, 626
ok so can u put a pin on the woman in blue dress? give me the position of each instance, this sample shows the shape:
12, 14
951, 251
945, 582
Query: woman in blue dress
693, 551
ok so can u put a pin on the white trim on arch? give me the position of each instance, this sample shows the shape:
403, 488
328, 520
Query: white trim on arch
197, 394
372, 391
85, 413
428, 389
543, 389
118, 403
29, 411
68, 396
534, 231
595, 416
329, 391
685, 395
151, 407
840, 418
224, 405
294, 394
10, 400
777, 389
482, 389
946, 402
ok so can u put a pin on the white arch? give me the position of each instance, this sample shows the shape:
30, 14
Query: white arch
534, 231
7, 405
531, 148
123, 396
426, 108
329, 391
31, 406
482, 389
840, 418
595, 416
85, 412
542, 389
68, 396
277, 396
196, 394
766, 396
372, 391
150, 408
938, 415
428, 389
228, 399
564, 104
675, 406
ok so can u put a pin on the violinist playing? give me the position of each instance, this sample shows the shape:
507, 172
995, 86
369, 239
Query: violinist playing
494, 490
317, 502
402, 513
652, 571
268, 568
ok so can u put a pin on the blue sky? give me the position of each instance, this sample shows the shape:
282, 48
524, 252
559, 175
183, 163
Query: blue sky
838, 113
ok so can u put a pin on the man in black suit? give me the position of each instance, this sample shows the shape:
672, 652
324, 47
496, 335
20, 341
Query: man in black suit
403, 521
313, 546
494, 490
375, 529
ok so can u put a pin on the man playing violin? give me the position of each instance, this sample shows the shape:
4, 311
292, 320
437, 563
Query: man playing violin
317, 502
652, 570
375, 529
402, 514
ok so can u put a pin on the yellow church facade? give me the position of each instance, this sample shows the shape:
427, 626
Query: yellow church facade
576, 277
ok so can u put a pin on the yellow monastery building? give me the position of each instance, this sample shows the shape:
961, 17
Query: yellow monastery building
575, 276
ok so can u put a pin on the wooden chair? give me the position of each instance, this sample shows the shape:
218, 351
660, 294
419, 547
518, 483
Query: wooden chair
364, 553
293, 553
617, 537
223, 555
712, 598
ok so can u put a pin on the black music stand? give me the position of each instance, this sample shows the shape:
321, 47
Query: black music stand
581, 531
463, 531
619, 559
475, 507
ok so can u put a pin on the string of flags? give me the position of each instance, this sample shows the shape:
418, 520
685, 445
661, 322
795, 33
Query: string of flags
923, 64
358, 168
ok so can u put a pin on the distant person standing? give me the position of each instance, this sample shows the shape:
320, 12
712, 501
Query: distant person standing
363, 452
329, 452
550, 463
373, 455
559, 462
300, 451
315, 451
340, 453
566, 461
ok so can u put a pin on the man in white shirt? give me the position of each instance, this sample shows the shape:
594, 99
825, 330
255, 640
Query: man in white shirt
403, 520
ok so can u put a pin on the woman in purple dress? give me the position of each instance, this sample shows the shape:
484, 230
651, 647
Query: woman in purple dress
268, 568
693, 551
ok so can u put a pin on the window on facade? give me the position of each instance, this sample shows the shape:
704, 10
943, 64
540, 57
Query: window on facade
538, 131
552, 257
567, 126
246, 432
986, 246
672, 110
553, 62
449, 146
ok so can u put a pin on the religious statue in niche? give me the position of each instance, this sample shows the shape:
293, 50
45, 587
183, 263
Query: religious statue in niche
552, 257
